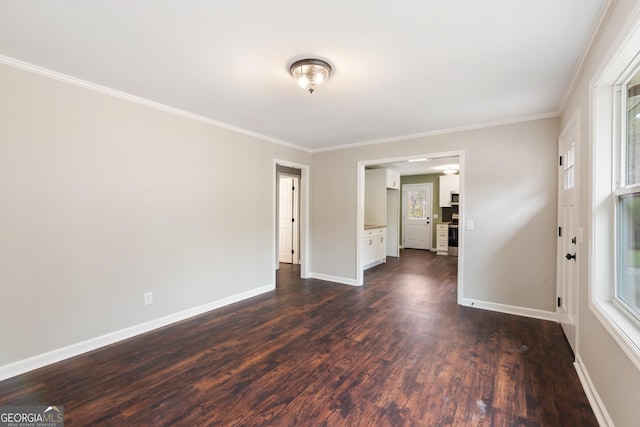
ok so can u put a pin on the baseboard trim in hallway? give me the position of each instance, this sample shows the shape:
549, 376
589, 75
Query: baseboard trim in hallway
509, 309
599, 410
60, 354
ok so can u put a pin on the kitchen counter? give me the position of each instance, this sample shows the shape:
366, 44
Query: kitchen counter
371, 227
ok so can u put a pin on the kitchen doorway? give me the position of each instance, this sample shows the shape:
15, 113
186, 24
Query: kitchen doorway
415, 169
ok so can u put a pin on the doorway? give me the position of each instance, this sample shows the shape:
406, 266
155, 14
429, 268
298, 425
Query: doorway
409, 167
568, 235
417, 216
300, 230
289, 219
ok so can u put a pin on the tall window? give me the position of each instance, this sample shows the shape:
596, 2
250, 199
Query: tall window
614, 276
628, 202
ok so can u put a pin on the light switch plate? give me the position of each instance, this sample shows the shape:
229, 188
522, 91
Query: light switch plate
469, 225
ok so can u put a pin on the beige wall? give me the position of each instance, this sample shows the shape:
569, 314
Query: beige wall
614, 376
105, 199
510, 192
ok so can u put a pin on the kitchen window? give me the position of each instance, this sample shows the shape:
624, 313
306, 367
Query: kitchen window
614, 256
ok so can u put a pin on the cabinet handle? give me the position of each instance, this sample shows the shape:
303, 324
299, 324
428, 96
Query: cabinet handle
370, 242
381, 239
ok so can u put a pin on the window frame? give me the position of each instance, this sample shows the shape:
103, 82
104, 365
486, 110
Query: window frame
621, 186
620, 303
607, 157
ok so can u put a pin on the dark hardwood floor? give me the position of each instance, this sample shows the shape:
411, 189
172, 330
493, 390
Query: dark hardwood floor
397, 352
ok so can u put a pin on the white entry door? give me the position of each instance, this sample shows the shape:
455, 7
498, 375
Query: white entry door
567, 281
416, 218
288, 220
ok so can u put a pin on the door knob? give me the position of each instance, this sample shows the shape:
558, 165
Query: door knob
570, 256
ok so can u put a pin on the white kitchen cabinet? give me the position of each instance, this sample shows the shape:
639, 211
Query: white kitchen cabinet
455, 183
448, 184
392, 179
442, 239
374, 247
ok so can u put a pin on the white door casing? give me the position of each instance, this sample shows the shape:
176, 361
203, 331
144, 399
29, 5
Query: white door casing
288, 220
417, 216
568, 231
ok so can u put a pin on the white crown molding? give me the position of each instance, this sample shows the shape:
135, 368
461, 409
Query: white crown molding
15, 63
443, 131
603, 17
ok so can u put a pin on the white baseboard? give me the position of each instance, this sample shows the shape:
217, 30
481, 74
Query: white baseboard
509, 309
337, 279
594, 399
38, 361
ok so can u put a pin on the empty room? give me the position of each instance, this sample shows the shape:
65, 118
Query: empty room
351, 213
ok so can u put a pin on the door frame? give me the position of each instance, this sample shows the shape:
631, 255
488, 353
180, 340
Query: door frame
404, 212
304, 198
360, 166
571, 295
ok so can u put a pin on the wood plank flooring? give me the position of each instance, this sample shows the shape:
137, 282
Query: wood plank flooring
397, 352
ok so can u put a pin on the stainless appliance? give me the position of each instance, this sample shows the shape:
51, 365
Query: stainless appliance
453, 235
455, 199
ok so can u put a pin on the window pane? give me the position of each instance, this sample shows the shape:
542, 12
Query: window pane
417, 204
569, 168
628, 287
633, 131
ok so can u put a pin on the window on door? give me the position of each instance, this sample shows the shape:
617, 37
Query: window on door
416, 204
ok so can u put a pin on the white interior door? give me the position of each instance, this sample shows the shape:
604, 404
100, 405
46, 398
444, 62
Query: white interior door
288, 220
416, 218
567, 282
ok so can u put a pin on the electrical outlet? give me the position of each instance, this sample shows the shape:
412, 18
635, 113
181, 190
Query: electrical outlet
148, 298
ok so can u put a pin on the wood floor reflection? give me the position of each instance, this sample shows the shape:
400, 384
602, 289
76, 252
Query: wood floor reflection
398, 351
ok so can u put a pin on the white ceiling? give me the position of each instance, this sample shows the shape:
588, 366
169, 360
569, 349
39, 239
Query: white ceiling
401, 67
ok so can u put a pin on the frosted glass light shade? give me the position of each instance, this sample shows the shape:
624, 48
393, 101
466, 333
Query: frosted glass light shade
309, 73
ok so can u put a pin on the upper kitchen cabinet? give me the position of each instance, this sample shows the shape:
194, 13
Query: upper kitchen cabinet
392, 179
448, 184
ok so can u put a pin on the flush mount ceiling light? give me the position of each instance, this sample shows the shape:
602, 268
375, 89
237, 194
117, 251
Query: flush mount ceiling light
309, 73
450, 171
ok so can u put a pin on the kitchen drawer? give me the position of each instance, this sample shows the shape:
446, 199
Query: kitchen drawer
442, 245
375, 232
